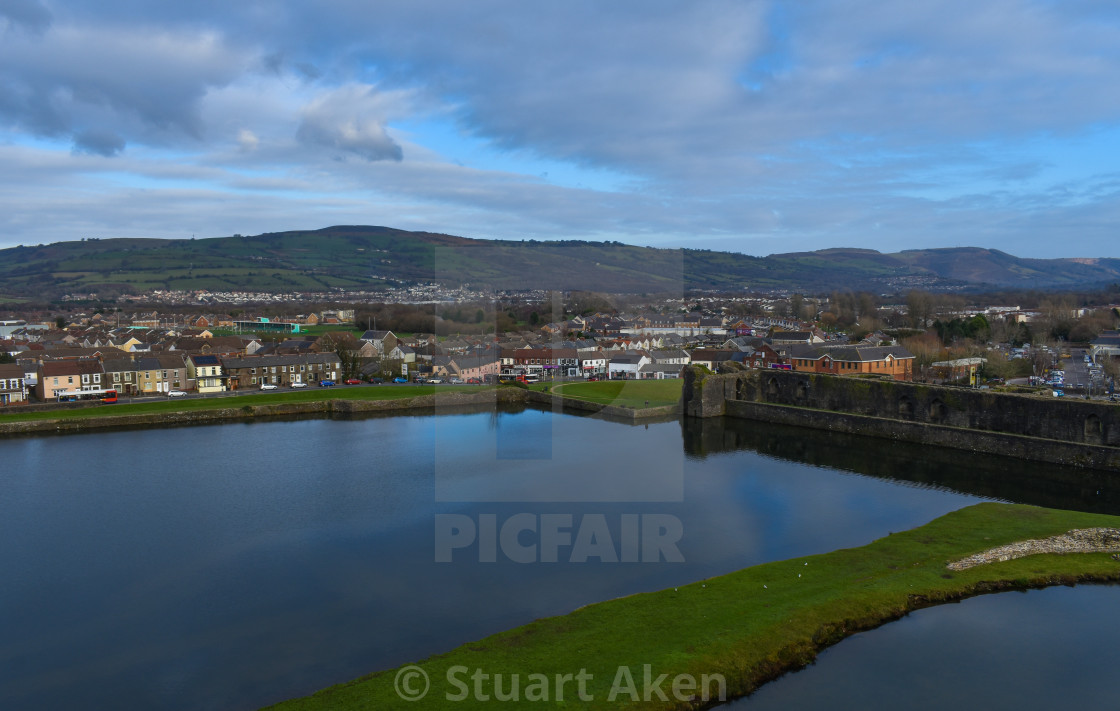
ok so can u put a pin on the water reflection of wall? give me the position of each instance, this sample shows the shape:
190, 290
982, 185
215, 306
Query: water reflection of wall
978, 474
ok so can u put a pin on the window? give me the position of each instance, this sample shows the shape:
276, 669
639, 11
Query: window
252, 381
70, 380
116, 377
85, 378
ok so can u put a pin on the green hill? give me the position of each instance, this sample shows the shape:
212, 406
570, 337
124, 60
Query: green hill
358, 257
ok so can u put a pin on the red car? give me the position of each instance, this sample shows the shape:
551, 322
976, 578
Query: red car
353, 381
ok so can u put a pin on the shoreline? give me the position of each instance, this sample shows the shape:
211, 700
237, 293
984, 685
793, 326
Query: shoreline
754, 625
330, 405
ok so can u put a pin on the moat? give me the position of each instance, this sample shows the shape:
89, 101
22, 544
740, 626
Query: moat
236, 565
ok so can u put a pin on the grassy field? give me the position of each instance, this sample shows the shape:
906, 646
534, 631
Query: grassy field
349, 392
747, 626
625, 393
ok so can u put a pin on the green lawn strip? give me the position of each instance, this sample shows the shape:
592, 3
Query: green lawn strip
624, 393
359, 392
750, 625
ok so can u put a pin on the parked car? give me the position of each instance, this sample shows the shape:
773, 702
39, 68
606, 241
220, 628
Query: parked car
353, 381
299, 385
269, 386
593, 378
456, 381
176, 393
376, 381
435, 381
474, 381
420, 381
326, 383
1059, 393
400, 380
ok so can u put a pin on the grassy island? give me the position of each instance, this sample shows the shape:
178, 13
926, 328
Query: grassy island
624, 393
749, 626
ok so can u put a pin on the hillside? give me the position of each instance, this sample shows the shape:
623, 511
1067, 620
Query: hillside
357, 257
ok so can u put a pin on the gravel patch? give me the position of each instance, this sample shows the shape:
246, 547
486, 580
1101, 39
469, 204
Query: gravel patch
1082, 540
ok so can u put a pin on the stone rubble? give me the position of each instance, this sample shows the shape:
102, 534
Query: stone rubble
1082, 540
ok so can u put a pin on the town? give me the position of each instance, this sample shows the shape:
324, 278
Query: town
107, 354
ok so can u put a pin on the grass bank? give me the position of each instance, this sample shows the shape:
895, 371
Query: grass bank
186, 405
624, 393
749, 626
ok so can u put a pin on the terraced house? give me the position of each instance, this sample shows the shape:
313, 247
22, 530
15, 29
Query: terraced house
206, 372
13, 390
70, 375
281, 370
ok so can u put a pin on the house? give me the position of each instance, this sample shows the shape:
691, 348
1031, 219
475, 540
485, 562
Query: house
13, 388
659, 371
120, 374
66, 376
173, 370
674, 356
1106, 345
281, 370
779, 337
894, 361
555, 361
592, 363
483, 367
149, 377
383, 341
206, 372
710, 358
403, 353
625, 366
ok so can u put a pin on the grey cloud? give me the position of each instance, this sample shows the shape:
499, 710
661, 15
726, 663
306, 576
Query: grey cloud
148, 84
31, 14
98, 142
350, 120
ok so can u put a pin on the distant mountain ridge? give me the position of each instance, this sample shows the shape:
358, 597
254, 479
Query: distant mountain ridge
368, 258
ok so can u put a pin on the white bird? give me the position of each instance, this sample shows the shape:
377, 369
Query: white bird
764, 586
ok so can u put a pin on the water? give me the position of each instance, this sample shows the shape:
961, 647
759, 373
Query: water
1042, 649
232, 566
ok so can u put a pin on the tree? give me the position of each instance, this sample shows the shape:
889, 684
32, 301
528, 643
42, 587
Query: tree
348, 350
797, 306
60, 322
919, 305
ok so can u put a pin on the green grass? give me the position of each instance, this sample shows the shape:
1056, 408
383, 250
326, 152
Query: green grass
751, 625
355, 392
625, 393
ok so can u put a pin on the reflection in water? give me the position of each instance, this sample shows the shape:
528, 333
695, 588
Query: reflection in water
1042, 649
236, 565
985, 475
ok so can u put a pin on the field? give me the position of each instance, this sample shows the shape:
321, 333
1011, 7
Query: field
625, 393
747, 626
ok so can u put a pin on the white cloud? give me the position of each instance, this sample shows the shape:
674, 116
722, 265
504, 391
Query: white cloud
351, 120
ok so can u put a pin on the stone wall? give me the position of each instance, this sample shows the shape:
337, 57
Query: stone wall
1017, 425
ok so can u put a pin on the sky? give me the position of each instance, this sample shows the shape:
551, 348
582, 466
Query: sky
748, 126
